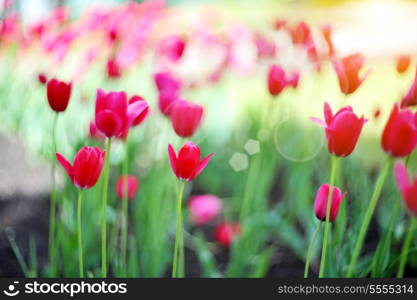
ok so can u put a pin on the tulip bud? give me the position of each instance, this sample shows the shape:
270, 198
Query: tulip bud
113, 69
403, 62
322, 198
42, 78
225, 233
132, 186
204, 208
276, 80
342, 129
408, 189
188, 164
347, 70
186, 118
400, 134
58, 93
87, 166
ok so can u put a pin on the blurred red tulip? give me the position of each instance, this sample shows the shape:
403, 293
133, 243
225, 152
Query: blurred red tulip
322, 198
403, 62
266, 48
169, 90
377, 113
188, 164
225, 233
347, 70
279, 24
113, 69
87, 166
408, 189
276, 80
326, 31
186, 118
58, 93
132, 186
42, 78
294, 80
111, 113
342, 129
171, 47
400, 134
410, 99
204, 208
301, 33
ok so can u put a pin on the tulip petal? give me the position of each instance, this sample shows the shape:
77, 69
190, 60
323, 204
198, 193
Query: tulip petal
172, 158
202, 164
328, 114
318, 121
66, 164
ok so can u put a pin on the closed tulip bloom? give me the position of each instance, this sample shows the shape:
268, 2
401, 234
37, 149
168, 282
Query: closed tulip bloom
276, 80
139, 109
403, 62
87, 166
408, 189
111, 112
204, 208
132, 186
320, 203
113, 69
186, 118
342, 129
58, 94
347, 70
42, 78
225, 233
187, 165
400, 134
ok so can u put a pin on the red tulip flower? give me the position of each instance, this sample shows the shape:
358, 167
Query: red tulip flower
58, 93
186, 118
42, 78
347, 70
403, 62
187, 165
277, 80
169, 90
400, 134
113, 69
225, 233
204, 208
132, 186
172, 47
322, 198
408, 189
342, 129
87, 166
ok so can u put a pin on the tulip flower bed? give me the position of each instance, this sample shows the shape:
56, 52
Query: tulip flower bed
209, 147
